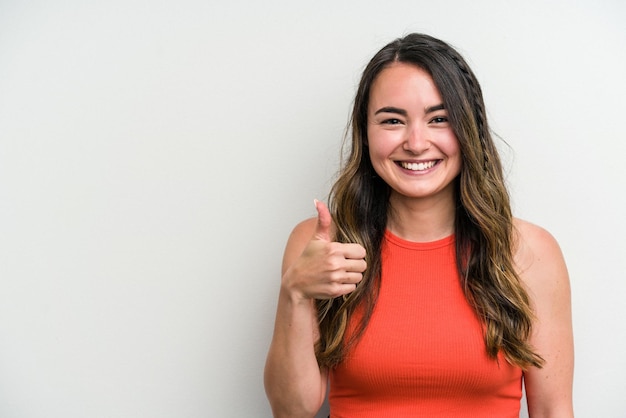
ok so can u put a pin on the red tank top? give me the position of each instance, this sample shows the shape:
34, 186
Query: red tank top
423, 352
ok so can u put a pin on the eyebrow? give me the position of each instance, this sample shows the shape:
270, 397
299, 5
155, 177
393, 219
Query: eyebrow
435, 108
397, 110
390, 109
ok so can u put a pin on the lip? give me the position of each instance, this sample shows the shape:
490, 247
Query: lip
418, 166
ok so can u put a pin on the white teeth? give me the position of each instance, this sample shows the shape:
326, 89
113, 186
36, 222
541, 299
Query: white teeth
418, 166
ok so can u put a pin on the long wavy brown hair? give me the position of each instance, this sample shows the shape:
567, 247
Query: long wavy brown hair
359, 203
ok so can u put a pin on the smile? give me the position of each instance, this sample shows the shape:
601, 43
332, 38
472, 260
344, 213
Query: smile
418, 166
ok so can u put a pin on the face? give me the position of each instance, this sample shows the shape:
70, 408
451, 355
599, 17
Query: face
411, 143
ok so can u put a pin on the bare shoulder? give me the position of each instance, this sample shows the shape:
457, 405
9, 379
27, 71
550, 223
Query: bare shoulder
304, 229
541, 267
298, 239
530, 236
538, 257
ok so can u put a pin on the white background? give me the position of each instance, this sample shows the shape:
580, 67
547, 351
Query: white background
154, 156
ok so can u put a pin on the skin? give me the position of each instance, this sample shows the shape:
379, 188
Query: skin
407, 124
313, 267
541, 267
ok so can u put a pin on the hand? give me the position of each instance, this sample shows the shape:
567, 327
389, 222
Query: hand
325, 269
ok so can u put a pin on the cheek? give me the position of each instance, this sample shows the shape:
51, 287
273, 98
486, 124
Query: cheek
454, 153
377, 160
378, 152
380, 144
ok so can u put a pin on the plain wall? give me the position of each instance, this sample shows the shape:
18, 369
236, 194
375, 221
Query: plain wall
154, 156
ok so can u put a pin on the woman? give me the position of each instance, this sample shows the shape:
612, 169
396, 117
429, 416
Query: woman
418, 294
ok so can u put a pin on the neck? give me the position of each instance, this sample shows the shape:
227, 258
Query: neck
421, 220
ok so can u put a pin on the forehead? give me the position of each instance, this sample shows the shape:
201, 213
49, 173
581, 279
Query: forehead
403, 82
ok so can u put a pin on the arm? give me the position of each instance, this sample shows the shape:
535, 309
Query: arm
543, 271
313, 268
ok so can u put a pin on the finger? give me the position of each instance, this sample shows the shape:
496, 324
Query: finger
358, 266
322, 230
353, 251
349, 288
352, 278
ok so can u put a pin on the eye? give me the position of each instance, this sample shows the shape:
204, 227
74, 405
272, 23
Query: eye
439, 119
391, 121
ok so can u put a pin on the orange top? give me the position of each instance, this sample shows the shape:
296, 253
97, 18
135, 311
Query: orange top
423, 352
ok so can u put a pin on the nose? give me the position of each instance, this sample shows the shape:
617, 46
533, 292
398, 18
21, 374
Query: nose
416, 141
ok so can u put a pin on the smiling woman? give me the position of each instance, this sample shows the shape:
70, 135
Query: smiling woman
412, 145
418, 294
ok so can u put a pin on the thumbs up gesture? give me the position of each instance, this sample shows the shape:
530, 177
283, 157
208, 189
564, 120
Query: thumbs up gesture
323, 269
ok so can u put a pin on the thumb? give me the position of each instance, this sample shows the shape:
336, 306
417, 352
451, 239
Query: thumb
322, 230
